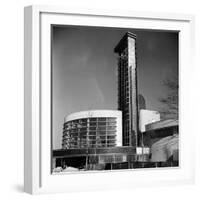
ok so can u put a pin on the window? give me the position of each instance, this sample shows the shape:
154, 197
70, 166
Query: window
111, 132
93, 137
101, 133
111, 119
102, 124
93, 119
111, 137
93, 124
101, 128
102, 137
111, 128
83, 133
102, 119
111, 123
92, 128
92, 133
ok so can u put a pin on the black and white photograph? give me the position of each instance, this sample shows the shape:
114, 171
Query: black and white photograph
114, 99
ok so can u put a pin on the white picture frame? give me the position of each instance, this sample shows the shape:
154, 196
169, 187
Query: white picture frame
37, 134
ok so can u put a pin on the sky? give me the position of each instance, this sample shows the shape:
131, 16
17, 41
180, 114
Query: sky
84, 69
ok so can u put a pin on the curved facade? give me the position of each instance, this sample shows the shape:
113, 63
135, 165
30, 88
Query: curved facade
92, 129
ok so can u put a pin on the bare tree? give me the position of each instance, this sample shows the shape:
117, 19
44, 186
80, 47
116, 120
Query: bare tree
170, 101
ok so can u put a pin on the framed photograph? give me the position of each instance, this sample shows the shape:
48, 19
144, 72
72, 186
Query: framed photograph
107, 101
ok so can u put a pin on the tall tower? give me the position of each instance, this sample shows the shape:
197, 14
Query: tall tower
127, 87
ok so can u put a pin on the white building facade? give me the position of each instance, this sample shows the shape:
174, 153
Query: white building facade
147, 117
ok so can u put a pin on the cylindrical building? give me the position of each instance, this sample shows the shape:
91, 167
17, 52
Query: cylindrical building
92, 129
